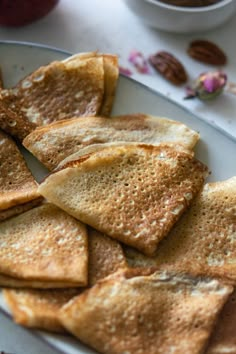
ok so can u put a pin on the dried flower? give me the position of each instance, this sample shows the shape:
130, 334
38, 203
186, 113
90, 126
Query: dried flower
207, 86
125, 71
140, 63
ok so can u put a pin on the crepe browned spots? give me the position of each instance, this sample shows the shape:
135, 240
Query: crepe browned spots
38, 308
81, 85
133, 193
53, 143
17, 185
44, 244
146, 311
223, 339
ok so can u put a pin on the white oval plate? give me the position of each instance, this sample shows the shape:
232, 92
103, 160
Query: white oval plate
216, 149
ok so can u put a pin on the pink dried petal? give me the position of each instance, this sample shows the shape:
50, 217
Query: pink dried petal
211, 84
140, 63
125, 71
213, 81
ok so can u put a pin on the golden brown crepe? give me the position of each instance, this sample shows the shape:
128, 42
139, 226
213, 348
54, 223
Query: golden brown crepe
106, 256
81, 85
13, 282
223, 339
38, 308
17, 185
204, 237
146, 312
54, 142
133, 193
12, 120
44, 244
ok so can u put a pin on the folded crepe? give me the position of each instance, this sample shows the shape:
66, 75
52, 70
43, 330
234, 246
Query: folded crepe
146, 311
105, 257
44, 244
81, 85
54, 142
204, 238
39, 308
133, 193
223, 339
13, 282
17, 185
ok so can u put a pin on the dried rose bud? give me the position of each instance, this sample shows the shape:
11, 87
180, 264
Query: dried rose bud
207, 86
140, 63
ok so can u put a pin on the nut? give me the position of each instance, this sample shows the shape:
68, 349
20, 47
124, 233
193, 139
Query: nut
169, 67
207, 52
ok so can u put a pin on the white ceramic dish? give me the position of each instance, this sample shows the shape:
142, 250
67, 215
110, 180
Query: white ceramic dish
182, 19
215, 148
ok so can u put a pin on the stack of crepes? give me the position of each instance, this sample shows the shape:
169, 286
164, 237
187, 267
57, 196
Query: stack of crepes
122, 244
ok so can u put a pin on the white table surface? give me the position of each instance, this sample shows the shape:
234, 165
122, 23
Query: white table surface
109, 26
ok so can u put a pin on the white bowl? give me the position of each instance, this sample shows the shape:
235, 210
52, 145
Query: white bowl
182, 19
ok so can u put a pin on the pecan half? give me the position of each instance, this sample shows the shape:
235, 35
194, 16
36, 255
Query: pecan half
169, 67
207, 52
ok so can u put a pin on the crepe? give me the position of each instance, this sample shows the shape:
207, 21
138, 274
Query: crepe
223, 339
146, 312
17, 185
59, 90
53, 143
44, 244
111, 74
204, 238
106, 256
81, 85
133, 193
12, 120
19, 209
13, 282
38, 308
